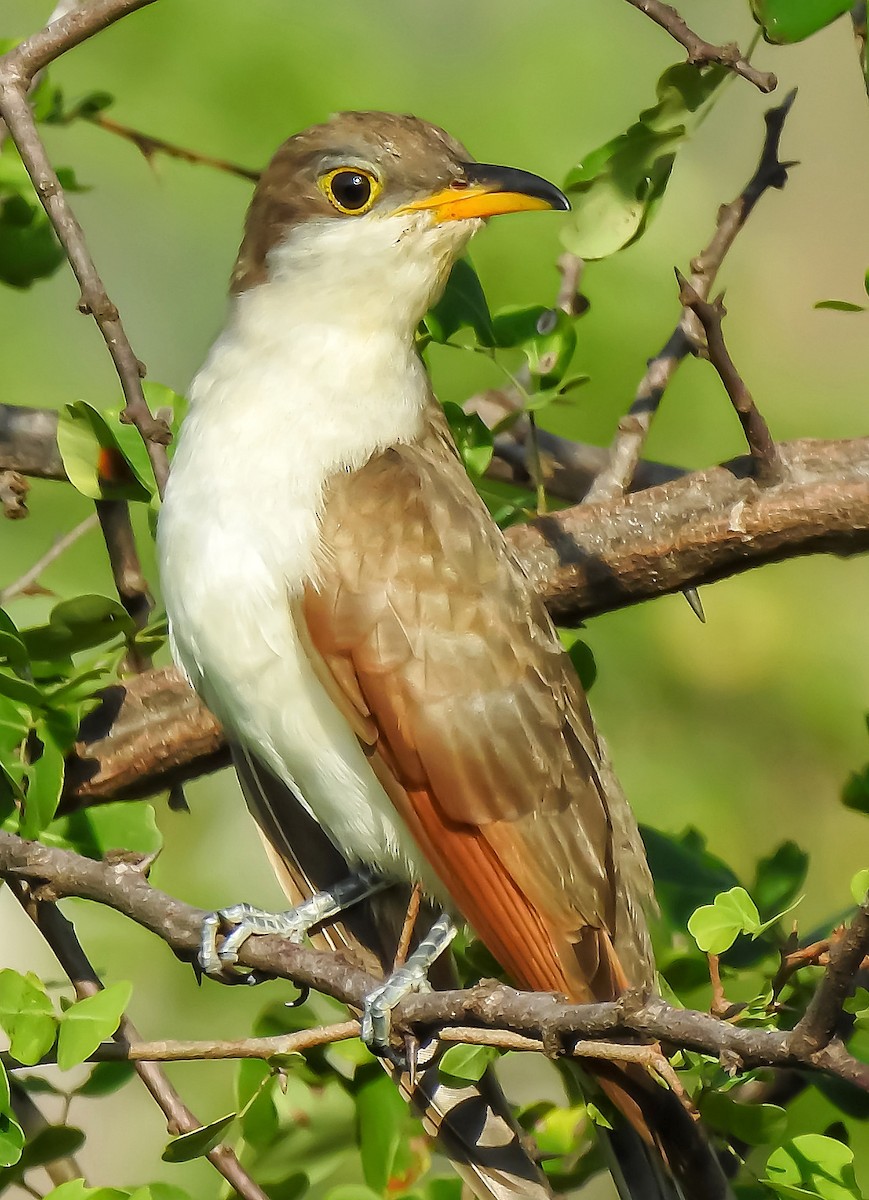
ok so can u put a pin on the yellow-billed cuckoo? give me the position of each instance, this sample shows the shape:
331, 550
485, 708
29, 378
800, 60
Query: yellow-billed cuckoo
341, 599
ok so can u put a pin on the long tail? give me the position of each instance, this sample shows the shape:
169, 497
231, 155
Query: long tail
666, 1156
473, 1125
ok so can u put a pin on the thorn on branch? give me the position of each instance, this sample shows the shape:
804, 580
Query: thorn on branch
771, 171
149, 146
700, 51
768, 466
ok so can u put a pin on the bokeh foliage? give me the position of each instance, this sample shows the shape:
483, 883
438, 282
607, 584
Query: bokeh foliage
707, 738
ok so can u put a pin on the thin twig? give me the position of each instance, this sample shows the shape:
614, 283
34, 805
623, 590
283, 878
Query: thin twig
627, 446
700, 51
133, 591
768, 465
148, 146
31, 575
408, 927
60, 936
17, 69
173, 1050
570, 300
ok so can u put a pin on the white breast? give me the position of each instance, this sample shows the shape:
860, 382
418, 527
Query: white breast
280, 405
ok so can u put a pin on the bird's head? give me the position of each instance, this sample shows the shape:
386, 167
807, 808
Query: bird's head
372, 209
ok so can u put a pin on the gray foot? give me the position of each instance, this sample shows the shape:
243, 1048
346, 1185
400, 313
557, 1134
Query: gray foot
216, 957
412, 977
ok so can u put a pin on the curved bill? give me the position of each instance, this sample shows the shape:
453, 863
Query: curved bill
488, 191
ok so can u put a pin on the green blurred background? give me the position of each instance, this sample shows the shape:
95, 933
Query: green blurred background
745, 727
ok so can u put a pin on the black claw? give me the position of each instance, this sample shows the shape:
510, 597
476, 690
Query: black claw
302, 998
411, 1057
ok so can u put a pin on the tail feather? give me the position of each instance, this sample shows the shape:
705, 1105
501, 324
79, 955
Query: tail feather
473, 1125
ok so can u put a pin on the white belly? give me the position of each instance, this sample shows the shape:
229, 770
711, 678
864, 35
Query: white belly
234, 635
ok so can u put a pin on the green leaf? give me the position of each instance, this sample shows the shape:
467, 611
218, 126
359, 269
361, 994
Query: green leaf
77, 1189
860, 886
103, 457
29, 249
13, 652
89, 1022
754, 1124
49, 1144
550, 350
513, 326
462, 306
352, 1191
45, 783
855, 793
716, 926
122, 825
818, 1165
840, 306
4, 1089
583, 662
26, 1016
467, 1063
78, 624
11, 1140
685, 872
105, 1078
15, 724
199, 1142
381, 1115
19, 690
473, 438
779, 877
786, 21
159, 1191
617, 188
555, 1132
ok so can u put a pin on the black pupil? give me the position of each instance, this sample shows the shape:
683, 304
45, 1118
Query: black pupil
351, 189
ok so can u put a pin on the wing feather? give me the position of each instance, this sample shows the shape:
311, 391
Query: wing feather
443, 655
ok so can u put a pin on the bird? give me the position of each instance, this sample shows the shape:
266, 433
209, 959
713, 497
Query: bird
399, 702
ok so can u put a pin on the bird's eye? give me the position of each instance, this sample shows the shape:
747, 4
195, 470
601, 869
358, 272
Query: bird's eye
350, 189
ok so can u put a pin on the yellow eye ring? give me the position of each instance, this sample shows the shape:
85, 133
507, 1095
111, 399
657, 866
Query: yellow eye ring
351, 190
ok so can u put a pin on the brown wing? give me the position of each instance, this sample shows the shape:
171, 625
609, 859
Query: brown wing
440, 652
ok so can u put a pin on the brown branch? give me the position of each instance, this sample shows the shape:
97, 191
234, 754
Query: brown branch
700, 51
633, 429
543, 1018
17, 68
148, 146
768, 467
28, 442
698, 529
819, 1025
61, 937
132, 587
148, 734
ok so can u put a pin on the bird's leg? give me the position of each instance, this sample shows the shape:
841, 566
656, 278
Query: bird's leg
245, 920
411, 977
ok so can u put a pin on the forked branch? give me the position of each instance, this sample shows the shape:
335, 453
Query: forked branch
701, 51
